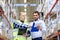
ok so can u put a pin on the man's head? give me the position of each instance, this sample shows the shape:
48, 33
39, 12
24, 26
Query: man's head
22, 16
36, 15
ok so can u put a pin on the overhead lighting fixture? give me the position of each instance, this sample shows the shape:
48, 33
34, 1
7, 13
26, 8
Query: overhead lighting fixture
25, 5
25, 1
25, 9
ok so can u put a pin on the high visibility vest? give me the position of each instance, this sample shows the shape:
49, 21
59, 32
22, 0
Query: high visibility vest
18, 22
20, 38
15, 33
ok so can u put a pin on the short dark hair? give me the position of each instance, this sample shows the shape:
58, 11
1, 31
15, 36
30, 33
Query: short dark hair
36, 12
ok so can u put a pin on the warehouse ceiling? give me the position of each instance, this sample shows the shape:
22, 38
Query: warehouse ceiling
29, 9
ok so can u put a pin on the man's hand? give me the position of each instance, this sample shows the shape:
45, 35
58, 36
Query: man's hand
39, 27
24, 34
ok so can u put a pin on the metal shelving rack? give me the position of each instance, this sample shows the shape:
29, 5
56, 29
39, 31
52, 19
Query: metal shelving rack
54, 35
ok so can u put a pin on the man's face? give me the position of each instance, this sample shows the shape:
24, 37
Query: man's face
22, 16
35, 16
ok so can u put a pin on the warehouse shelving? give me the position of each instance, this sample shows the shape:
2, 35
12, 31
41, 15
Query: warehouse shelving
53, 30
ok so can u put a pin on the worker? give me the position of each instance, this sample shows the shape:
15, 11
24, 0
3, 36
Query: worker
19, 32
37, 27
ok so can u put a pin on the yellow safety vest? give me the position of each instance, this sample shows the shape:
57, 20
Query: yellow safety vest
18, 22
20, 38
15, 32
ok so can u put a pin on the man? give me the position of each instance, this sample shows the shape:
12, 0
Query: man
22, 19
20, 34
37, 27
